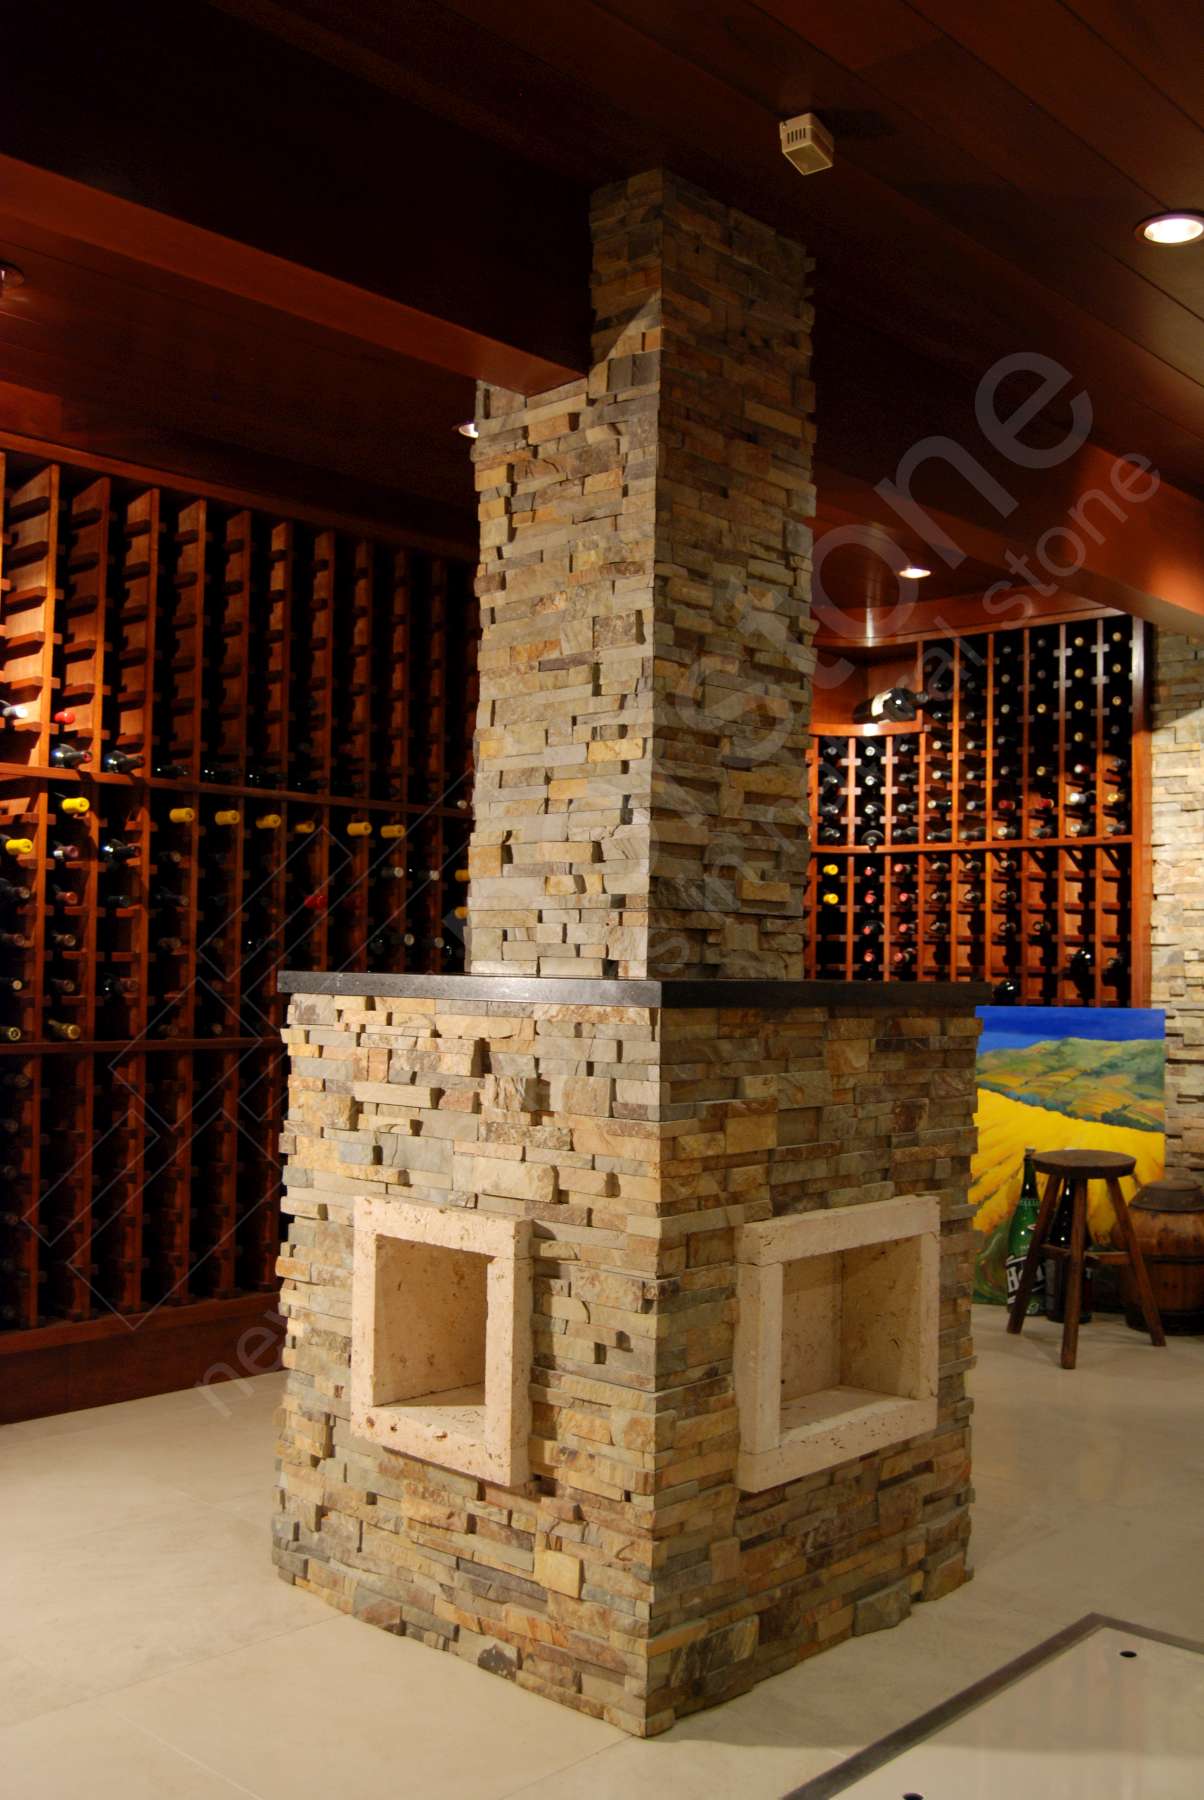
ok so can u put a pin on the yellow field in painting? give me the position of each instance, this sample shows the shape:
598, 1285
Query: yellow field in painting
1007, 1127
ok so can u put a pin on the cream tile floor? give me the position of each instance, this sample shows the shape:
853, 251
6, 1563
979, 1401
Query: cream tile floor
150, 1651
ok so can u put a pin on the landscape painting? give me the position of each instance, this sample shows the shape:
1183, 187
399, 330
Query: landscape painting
1061, 1078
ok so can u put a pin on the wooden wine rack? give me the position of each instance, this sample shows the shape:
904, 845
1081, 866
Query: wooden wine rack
299, 705
1003, 836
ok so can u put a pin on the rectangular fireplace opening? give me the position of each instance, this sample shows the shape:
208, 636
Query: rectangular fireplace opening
836, 1345
431, 1311
850, 1327
440, 1335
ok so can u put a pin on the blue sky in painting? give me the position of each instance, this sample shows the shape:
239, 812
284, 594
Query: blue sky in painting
1012, 1027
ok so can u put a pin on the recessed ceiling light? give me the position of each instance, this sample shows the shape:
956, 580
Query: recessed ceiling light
468, 429
913, 572
1172, 228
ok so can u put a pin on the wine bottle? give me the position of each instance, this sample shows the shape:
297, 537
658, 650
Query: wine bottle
62, 1028
62, 940
1081, 971
11, 984
181, 815
16, 940
227, 815
74, 805
170, 771
116, 987
16, 846
121, 762
68, 756
115, 852
60, 984
13, 891
898, 705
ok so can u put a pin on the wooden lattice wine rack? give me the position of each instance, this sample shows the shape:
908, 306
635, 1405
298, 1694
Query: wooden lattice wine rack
231, 741
1002, 836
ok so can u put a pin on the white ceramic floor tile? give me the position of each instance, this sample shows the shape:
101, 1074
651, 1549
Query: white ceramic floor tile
341, 1708
117, 1605
27, 1691
90, 1750
1090, 1725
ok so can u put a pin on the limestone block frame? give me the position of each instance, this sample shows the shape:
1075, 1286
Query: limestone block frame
441, 1336
836, 1351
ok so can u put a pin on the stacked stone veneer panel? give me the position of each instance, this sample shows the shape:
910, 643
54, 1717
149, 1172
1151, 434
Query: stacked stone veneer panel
1177, 909
629, 1576
644, 580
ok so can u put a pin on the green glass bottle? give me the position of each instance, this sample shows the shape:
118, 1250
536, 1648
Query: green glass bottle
1020, 1236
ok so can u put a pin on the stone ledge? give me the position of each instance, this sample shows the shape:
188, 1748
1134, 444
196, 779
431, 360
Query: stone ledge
912, 996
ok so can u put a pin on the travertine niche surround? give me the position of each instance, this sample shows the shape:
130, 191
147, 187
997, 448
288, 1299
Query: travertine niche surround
628, 1279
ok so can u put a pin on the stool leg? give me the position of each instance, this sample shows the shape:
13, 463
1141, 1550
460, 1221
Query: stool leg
1074, 1273
1033, 1260
1141, 1279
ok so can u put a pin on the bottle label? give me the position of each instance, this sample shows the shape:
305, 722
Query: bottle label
1013, 1269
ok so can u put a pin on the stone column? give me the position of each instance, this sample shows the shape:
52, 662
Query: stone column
644, 583
1177, 911
704, 1413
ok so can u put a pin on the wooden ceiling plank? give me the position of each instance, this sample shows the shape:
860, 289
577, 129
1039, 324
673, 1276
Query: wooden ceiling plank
846, 213
1081, 80
1162, 38
1046, 199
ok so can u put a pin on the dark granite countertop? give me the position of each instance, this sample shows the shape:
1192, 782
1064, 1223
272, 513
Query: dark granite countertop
947, 996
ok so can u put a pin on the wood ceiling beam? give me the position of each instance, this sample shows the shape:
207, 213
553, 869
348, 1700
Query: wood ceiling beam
46, 201
1143, 556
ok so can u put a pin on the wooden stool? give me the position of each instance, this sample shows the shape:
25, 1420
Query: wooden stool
1073, 1169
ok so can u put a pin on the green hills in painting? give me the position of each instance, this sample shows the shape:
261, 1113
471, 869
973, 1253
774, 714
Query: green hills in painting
1118, 1084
